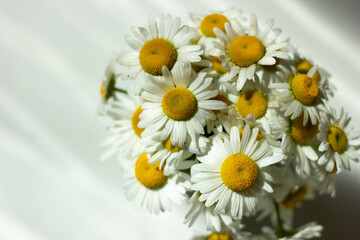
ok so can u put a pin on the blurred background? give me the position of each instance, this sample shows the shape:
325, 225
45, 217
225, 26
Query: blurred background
52, 58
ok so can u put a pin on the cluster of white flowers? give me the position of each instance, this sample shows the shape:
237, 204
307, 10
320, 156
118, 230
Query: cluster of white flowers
225, 116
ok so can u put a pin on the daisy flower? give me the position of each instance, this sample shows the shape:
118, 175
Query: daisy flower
298, 142
204, 25
231, 176
321, 76
214, 222
256, 99
233, 233
179, 105
125, 133
170, 157
299, 95
339, 144
164, 43
148, 186
241, 52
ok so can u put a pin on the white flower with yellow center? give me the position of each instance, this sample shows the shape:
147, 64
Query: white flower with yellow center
231, 174
178, 105
170, 157
256, 99
125, 133
164, 43
298, 142
148, 186
204, 25
299, 95
242, 51
214, 222
303, 66
339, 144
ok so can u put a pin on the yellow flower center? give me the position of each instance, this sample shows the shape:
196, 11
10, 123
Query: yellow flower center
179, 104
213, 21
300, 133
135, 120
219, 236
258, 136
337, 139
295, 198
148, 174
246, 50
304, 66
239, 172
305, 89
157, 53
217, 65
168, 146
252, 101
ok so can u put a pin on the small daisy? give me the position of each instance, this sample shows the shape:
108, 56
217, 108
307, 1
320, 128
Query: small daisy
214, 222
298, 142
255, 98
108, 89
204, 25
339, 144
164, 43
231, 174
299, 95
321, 76
241, 52
148, 186
169, 156
179, 105
307, 231
125, 133
233, 233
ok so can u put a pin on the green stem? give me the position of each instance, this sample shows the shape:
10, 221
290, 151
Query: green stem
280, 231
120, 90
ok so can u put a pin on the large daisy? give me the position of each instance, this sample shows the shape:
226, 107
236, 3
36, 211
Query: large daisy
339, 144
241, 51
125, 134
148, 186
204, 25
164, 43
231, 175
179, 105
299, 94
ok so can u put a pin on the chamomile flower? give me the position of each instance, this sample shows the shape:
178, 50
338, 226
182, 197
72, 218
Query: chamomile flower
169, 156
204, 25
321, 76
148, 186
231, 174
255, 98
214, 222
242, 51
299, 95
179, 105
339, 144
298, 142
164, 43
125, 133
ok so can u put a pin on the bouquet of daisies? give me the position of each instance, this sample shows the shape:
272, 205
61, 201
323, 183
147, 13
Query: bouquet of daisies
226, 117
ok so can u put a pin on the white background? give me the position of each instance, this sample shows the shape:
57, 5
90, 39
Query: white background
52, 58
